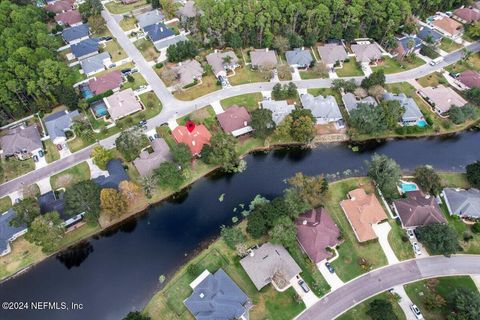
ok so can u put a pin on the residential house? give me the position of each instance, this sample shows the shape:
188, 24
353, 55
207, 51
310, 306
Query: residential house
280, 109
122, 103
367, 53
466, 15
58, 123
54, 201
470, 79
263, 58
463, 203
149, 18
76, 34
188, 71
187, 10
316, 232
21, 142
217, 296
418, 210
324, 109
351, 102
158, 32
163, 45
235, 120
9, 233
109, 81
147, 162
449, 27
407, 45
95, 64
116, 174
194, 136
299, 58
85, 49
442, 98
60, 6
332, 54
221, 62
270, 263
363, 210
429, 35
412, 114
69, 18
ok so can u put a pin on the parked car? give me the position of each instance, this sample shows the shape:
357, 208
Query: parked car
126, 71
35, 158
416, 312
410, 233
59, 147
142, 123
151, 138
113, 65
156, 136
304, 286
416, 248
329, 267
41, 153
108, 38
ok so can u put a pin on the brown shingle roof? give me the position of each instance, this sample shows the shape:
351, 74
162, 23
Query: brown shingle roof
448, 25
263, 57
60, 6
109, 81
467, 14
69, 18
234, 118
470, 78
418, 210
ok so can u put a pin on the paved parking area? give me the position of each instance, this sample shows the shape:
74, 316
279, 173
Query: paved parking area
309, 298
296, 74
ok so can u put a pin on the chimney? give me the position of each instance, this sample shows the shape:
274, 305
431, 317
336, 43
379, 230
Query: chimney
245, 123
427, 196
161, 29
304, 222
201, 295
215, 51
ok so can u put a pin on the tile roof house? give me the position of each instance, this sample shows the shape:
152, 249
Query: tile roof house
122, 103
21, 142
331, 53
280, 109
316, 232
412, 114
449, 26
366, 53
8, 233
463, 203
324, 109
188, 9
158, 32
351, 102
429, 35
442, 98
362, 211
149, 18
76, 34
270, 263
418, 210
299, 58
96, 63
469, 78
263, 58
69, 18
195, 138
235, 120
60, 6
407, 45
58, 123
219, 62
109, 81
216, 296
466, 15
147, 162
116, 174
188, 71
85, 49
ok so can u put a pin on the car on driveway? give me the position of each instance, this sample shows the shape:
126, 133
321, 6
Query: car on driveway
41, 153
35, 158
416, 248
410, 233
416, 312
303, 285
329, 267
59, 147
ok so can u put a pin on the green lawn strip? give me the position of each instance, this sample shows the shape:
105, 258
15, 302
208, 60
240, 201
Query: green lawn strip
31, 191
208, 84
360, 311
72, 175
78, 144
128, 23
454, 180
119, 7
403, 249
347, 265
147, 49
127, 65
391, 65
432, 80
472, 63
51, 152
5, 204
350, 69
13, 168
310, 74
246, 74
449, 45
249, 100
116, 52
205, 115
138, 81
443, 287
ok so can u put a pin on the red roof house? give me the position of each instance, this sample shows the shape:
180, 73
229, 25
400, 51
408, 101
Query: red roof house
60, 6
470, 79
316, 232
235, 120
466, 15
109, 81
194, 136
418, 210
69, 18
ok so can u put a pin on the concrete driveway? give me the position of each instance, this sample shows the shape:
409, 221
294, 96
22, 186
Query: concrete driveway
309, 298
296, 74
217, 107
382, 230
405, 302
332, 279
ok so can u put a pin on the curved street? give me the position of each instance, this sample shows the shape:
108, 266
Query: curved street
359, 289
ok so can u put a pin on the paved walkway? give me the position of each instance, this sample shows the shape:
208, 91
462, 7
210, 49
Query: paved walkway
382, 230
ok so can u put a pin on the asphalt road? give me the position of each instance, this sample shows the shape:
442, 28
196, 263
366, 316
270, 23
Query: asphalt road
380, 280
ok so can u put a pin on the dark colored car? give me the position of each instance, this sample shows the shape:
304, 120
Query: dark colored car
126, 71
35, 158
329, 267
41, 153
59, 147
304, 286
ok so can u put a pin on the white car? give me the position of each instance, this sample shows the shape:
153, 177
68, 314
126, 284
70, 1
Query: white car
416, 248
416, 312
410, 233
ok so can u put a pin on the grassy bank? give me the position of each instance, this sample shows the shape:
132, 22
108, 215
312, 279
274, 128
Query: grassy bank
360, 311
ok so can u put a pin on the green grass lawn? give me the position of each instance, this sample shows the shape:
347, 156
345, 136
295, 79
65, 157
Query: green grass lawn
147, 49
360, 311
78, 144
69, 177
403, 249
310, 74
209, 84
127, 65
119, 7
432, 80
455, 180
31, 191
449, 45
249, 100
128, 23
391, 65
12, 168
138, 81
51, 152
116, 52
205, 115
420, 291
350, 69
247, 75
5, 204
472, 63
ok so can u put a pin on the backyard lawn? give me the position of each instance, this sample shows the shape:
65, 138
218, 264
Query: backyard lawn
249, 100
5, 204
116, 52
128, 23
69, 177
432, 80
12, 168
449, 45
147, 49
138, 81
360, 311
209, 84
246, 74
391, 65
51, 152
119, 7
350, 69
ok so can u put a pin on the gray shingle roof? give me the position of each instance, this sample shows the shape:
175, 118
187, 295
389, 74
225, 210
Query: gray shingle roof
58, 122
188, 71
215, 59
7, 231
170, 41
217, 297
21, 139
94, 63
280, 109
412, 112
366, 52
325, 108
147, 162
157, 32
351, 102
85, 47
463, 202
332, 52
149, 18
425, 32
299, 57
263, 57
74, 33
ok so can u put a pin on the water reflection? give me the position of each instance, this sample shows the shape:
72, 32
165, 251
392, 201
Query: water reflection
75, 256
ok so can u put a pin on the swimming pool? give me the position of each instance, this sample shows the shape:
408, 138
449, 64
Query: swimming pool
408, 186
99, 109
86, 92
422, 123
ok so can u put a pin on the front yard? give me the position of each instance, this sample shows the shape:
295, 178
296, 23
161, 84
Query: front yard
449, 45
472, 63
69, 177
310, 74
51, 152
119, 7
246, 74
432, 80
147, 49
138, 81
350, 69
5, 204
249, 100
12, 168
391, 65
205, 115
209, 84
128, 23
116, 52
360, 311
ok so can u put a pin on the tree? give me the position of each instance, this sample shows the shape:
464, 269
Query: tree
169, 176
465, 304
368, 119
459, 115
283, 70
303, 129
473, 95
155, 4
136, 315
90, 8
386, 173
428, 180
377, 78
281, 44
25, 211
438, 238
380, 309
112, 203
46, 231
181, 154
233, 40
181, 51
169, 75
130, 143
284, 232
256, 225
262, 123
222, 152
97, 24
360, 92
81, 127
130, 191
148, 185
392, 112
346, 85
83, 196
101, 156
168, 8
232, 236
476, 227
473, 174
376, 91
311, 190
284, 129
473, 30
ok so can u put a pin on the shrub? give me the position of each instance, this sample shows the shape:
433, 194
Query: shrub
476, 227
